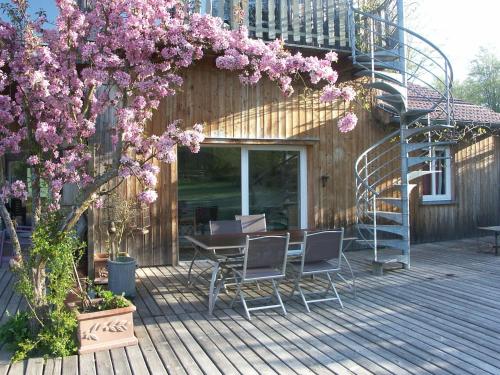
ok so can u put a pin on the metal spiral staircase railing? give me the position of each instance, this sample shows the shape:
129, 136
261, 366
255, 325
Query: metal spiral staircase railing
394, 58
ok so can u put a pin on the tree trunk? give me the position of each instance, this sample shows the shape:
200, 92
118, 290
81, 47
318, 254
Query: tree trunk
9, 225
88, 198
36, 197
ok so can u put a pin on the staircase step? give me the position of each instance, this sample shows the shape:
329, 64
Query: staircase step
407, 133
416, 160
395, 112
399, 187
398, 202
397, 217
395, 100
388, 87
393, 244
390, 77
379, 65
395, 229
413, 175
387, 259
382, 55
413, 115
409, 147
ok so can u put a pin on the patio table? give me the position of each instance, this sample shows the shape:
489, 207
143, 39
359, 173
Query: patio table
496, 231
213, 246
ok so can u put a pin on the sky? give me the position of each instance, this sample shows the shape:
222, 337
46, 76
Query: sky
458, 27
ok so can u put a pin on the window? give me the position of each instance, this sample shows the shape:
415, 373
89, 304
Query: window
222, 181
437, 185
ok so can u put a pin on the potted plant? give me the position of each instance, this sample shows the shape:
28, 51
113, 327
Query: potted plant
125, 218
105, 322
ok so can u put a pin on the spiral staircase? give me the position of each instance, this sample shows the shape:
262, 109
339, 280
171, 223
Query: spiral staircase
393, 57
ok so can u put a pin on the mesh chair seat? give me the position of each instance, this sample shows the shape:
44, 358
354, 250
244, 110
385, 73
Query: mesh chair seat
259, 273
318, 267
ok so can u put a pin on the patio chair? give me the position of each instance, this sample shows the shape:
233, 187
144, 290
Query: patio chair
225, 226
252, 223
322, 255
218, 227
264, 260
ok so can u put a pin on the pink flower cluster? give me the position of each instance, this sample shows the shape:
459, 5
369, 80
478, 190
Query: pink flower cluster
347, 123
127, 55
17, 189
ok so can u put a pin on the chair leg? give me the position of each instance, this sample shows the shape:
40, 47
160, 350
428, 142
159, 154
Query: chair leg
191, 266
258, 286
277, 293
238, 290
335, 290
293, 289
244, 303
303, 297
353, 278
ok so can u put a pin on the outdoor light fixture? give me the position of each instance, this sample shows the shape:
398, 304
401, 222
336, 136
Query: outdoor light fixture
324, 180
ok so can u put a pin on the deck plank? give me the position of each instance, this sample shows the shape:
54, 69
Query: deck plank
34, 366
441, 317
136, 360
53, 366
120, 362
103, 363
148, 349
87, 364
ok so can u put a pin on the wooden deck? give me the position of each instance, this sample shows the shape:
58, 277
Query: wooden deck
442, 317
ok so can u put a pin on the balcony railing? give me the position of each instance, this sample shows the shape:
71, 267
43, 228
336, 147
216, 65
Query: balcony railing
311, 23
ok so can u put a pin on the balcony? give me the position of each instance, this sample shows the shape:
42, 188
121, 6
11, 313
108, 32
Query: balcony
317, 24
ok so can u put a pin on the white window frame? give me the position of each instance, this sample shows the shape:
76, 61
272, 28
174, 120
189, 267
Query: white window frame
432, 166
245, 197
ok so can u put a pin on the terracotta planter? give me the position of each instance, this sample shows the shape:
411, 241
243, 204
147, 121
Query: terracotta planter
100, 268
108, 329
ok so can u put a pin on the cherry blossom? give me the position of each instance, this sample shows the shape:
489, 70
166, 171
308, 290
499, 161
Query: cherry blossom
124, 55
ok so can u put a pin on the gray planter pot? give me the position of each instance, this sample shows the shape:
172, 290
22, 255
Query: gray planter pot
121, 276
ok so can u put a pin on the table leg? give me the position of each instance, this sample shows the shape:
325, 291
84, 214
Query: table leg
213, 290
496, 243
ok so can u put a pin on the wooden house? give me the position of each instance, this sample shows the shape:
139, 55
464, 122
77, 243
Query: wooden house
285, 157
265, 153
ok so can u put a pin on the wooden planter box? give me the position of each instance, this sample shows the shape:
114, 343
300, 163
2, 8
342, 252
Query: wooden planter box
108, 329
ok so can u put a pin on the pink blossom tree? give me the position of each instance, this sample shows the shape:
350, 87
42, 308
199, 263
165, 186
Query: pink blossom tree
125, 56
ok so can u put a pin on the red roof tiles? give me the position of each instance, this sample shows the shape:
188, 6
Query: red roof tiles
423, 98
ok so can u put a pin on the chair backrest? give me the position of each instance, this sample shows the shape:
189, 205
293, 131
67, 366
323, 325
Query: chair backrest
266, 252
252, 223
225, 226
323, 245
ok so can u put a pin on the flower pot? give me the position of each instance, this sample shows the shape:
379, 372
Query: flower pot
121, 276
103, 330
100, 268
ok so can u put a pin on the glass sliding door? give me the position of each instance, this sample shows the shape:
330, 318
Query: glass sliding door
220, 182
274, 187
209, 187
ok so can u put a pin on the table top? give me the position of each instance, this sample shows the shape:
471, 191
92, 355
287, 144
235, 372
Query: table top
492, 228
235, 240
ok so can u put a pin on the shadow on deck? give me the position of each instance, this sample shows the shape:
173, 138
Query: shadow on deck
440, 317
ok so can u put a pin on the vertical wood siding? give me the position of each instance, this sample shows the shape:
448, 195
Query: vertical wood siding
241, 114
260, 114
475, 195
